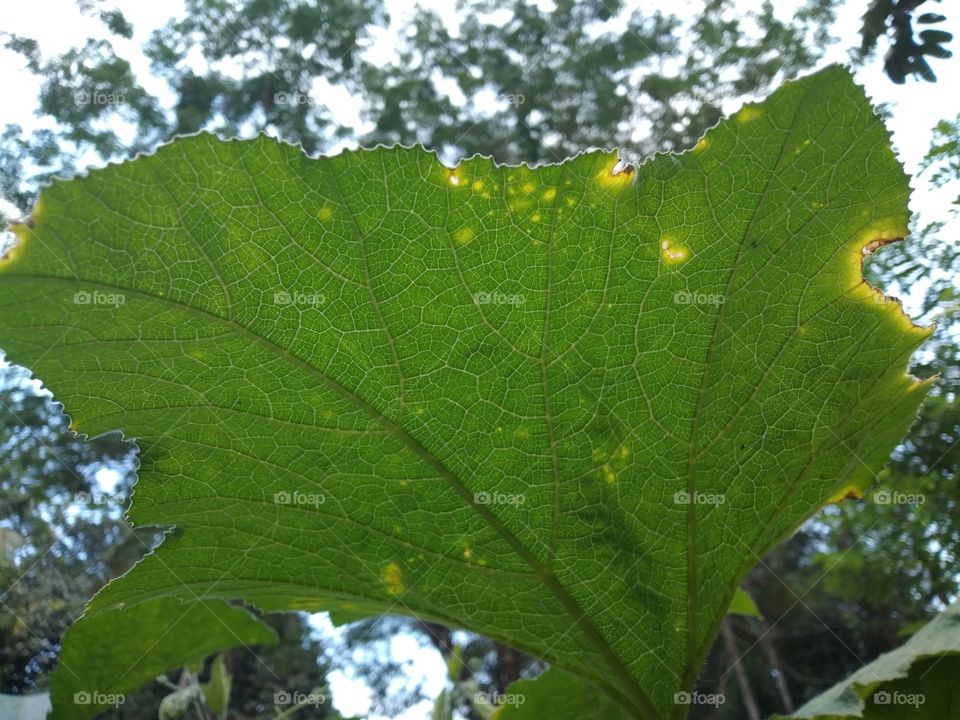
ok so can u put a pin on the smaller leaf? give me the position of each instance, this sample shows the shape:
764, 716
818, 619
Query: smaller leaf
917, 680
558, 695
115, 652
175, 705
935, 36
743, 604
217, 691
937, 51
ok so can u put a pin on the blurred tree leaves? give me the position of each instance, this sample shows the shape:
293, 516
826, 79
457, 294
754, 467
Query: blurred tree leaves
909, 49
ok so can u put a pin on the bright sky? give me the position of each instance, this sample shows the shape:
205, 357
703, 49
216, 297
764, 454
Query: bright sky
58, 25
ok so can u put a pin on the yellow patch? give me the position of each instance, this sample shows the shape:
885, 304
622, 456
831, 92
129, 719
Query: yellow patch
393, 578
702, 144
535, 217
672, 252
550, 195
850, 492
478, 185
464, 235
748, 113
607, 179
609, 476
529, 187
22, 229
325, 213
571, 201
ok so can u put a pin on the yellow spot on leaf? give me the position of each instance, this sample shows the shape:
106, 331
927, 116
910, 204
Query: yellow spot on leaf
571, 201
22, 229
325, 213
535, 217
702, 144
609, 476
478, 185
748, 113
671, 251
454, 177
622, 453
464, 235
393, 578
529, 187
851, 492
550, 195
622, 179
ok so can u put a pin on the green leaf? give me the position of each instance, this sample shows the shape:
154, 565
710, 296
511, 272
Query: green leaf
557, 695
917, 680
564, 408
743, 604
216, 692
112, 653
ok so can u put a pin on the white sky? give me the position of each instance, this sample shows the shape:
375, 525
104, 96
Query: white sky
58, 25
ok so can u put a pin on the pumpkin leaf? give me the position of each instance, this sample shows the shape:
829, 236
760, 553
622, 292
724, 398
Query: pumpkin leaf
566, 406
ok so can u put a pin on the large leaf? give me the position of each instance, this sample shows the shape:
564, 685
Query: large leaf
560, 406
112, 653
918, 680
